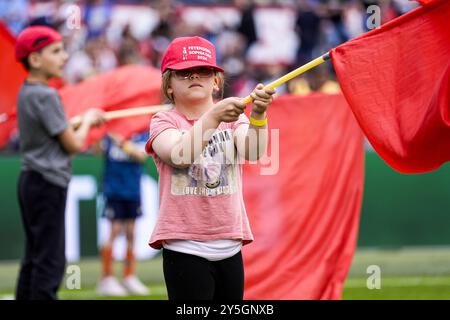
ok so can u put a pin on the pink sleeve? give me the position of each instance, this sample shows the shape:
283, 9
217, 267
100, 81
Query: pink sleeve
160, 122
242, 120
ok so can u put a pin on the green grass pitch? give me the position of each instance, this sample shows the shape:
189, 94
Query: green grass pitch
410, 273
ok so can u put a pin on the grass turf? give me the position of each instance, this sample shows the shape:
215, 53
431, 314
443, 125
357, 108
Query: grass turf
411, 273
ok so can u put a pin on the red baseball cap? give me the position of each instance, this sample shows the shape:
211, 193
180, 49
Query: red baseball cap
189, 52
34, 39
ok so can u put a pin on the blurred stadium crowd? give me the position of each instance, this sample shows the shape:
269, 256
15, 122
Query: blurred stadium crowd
104, 34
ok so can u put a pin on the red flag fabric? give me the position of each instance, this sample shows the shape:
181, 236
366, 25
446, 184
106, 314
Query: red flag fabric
424, 1
125, 87
396, 80
11, 76
305, 215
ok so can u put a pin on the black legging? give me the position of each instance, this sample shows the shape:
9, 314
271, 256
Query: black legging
190, 277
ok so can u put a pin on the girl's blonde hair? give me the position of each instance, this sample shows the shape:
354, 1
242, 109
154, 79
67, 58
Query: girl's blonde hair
169, 97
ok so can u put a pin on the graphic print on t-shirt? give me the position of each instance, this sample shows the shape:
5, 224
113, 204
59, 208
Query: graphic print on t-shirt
213, 172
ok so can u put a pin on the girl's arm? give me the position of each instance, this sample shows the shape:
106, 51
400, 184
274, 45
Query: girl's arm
180, 150
251, 140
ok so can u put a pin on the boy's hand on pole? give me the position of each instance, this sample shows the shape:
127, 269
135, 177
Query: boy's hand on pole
94, 117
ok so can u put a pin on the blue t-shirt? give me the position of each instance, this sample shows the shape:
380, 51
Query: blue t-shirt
122, 174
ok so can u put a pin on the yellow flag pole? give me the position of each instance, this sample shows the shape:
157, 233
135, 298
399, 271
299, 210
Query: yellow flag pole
291, 75
130, 112
75, 121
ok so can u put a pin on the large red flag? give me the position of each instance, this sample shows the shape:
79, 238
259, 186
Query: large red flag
424, 1
12, 74
396, 80
305, 215
125, 87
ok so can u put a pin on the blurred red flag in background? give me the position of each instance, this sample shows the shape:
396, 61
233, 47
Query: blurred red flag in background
423, 1
396, 79
11, 77
305, 215
125, 87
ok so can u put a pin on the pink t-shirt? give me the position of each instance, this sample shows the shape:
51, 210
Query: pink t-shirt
205, 201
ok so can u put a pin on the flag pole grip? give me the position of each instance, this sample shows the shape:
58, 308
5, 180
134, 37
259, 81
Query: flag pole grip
291, 75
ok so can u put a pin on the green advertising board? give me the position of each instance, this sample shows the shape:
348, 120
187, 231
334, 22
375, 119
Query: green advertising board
398, 209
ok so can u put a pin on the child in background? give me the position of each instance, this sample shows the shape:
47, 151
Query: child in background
123, 169
47, 142
198, 147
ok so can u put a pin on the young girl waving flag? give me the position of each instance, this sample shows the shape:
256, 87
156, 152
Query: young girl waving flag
199, 147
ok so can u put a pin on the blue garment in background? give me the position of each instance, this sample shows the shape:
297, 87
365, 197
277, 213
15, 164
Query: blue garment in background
122, 174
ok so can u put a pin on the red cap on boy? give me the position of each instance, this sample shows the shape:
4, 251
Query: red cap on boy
34, 39
189, 52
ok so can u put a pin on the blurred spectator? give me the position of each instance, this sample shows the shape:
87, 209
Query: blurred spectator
334, 13
163, 32
101, 54
247, 25
97, 17
231, 46
129, 51
319, 79
243, 84
354, 19
271, 72
14, 14
308, 27
167, 19
97, 57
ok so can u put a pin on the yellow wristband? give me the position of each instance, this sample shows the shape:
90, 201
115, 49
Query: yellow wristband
127, 147
258, 123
